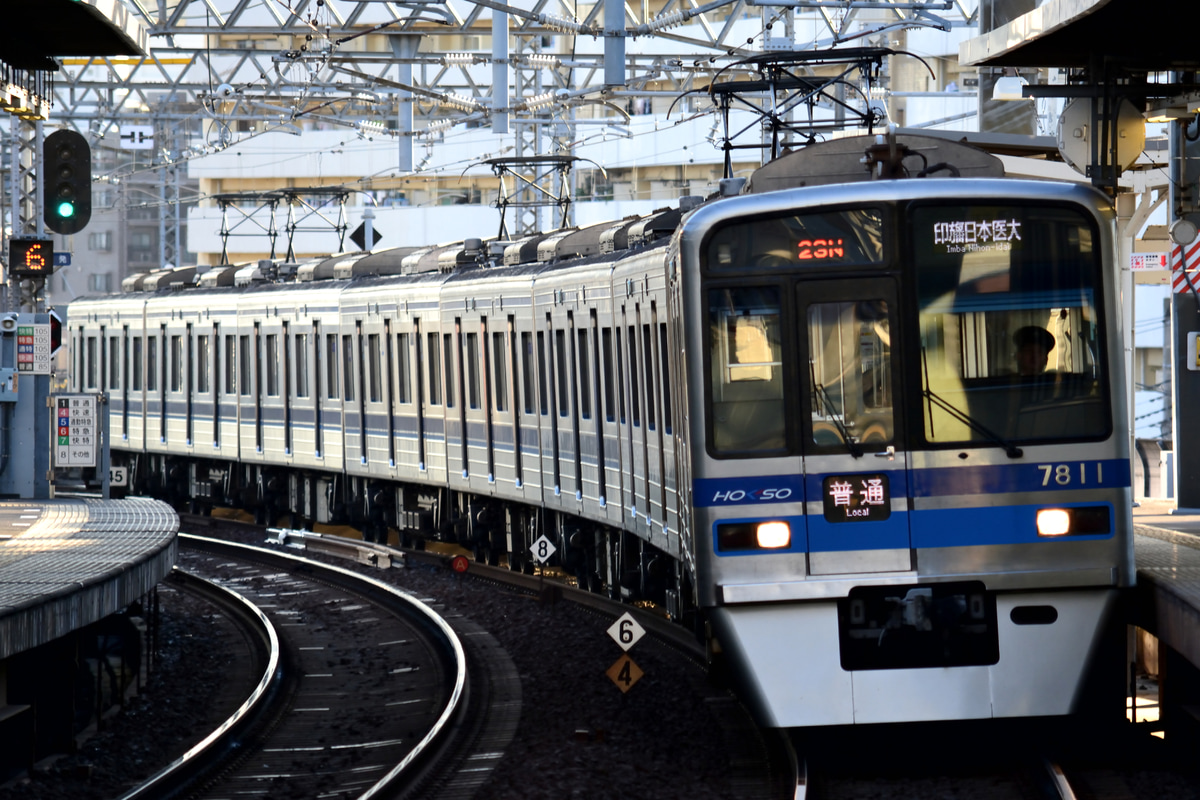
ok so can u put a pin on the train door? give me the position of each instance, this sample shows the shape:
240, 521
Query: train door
214, 368
638, 467
418, 386
125, 383
189, 387
160, 376
592, 410
855, 472
317, 391
286, 387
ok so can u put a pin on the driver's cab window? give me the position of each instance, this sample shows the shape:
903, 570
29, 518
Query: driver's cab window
850, 373
746, 370
1008, 314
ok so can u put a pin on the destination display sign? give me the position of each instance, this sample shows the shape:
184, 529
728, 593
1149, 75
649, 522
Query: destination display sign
965, 236
857, 498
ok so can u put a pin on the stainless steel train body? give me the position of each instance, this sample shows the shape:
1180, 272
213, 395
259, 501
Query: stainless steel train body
797, 419
946, 536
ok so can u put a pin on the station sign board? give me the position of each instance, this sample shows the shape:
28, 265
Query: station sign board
77, 437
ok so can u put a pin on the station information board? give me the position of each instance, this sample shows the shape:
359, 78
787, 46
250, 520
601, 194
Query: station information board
33, 349
77, 438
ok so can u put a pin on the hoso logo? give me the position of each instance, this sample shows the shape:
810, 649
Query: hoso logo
761, 495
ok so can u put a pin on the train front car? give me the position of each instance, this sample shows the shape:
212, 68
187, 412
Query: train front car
910, 463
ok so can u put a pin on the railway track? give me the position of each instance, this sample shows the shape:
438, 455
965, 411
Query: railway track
361, 684
758, 760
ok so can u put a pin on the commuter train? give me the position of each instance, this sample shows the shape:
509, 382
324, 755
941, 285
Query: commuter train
867, 434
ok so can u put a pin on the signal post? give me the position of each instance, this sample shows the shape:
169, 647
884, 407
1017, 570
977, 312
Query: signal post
50, 189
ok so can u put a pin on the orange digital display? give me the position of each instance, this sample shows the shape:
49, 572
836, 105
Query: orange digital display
31, 258
821, 249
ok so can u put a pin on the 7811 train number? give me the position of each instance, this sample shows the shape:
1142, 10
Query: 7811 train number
1082, 473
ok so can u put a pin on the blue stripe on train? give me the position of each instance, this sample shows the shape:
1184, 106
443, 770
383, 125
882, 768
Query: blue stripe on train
950, 527
935, 482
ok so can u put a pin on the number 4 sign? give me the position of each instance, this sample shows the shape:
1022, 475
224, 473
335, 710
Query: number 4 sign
625, 673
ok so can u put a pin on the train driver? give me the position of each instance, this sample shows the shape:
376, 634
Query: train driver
1033, 344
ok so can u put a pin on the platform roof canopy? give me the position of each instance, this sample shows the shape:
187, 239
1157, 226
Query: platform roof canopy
1074, 33
36, 31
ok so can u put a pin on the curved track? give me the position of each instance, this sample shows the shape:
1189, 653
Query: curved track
364, 681
757, 759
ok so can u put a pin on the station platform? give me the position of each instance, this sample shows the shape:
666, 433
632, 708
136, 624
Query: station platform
1167, 554
67, 563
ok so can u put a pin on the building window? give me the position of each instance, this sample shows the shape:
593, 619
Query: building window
100, 282
100, 240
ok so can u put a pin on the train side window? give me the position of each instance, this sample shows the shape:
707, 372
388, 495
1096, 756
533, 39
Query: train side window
152, 363
216, 360
230, 364
136, 358
620, 378
348, 368
332, 384
272, 358
448, 349
500, 370
543, 393
635, 401
434, 354
202, 364
176, 363
91, 362
664, 359
403, 378
527, 367
648, 365
114, 363
560, 363
606, 347
244, 364
745, 370
374, 387
585, 376
472, 352
301, 365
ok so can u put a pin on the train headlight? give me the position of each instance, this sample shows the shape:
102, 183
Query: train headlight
1053, 522
773, 535
1075, 521
750, 535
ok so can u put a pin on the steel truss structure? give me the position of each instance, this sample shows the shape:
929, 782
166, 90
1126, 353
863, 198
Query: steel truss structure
317, 209
280, 61
220, 69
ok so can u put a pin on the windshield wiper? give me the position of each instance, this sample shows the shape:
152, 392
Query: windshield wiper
1009, 448
851, 445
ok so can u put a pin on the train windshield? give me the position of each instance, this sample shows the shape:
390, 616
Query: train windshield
1009, 316
746, 372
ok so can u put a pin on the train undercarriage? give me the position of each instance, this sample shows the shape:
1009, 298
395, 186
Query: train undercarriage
600, 558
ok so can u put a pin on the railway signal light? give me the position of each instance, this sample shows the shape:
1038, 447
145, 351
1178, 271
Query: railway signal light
66, 181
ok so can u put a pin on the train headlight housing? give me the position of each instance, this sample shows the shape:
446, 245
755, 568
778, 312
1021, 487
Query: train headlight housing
1053, 522
773, 535
1075, 521
751, 535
